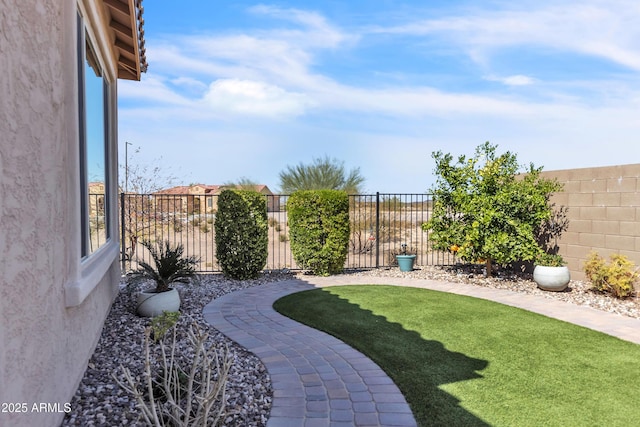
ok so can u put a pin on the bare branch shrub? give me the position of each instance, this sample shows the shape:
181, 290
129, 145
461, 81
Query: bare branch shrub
170, 395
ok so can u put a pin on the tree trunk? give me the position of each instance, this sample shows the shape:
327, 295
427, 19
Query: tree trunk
488, 271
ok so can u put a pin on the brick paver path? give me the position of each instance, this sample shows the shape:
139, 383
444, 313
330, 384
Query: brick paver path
317, 379
320, 381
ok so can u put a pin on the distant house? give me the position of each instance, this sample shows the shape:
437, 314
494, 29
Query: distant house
97, 192
59, 249
202, 198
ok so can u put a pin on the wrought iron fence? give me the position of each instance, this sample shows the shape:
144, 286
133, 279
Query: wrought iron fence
380, 224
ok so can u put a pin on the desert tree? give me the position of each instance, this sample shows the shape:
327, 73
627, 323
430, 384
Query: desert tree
139, 180
144, 178
322, 174
242, 183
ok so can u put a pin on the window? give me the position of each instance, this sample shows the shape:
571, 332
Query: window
94, 142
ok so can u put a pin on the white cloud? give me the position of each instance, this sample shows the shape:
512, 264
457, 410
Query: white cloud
515, 80
271, 72
317, 31
189, 83
414, 102
152, 88
234, 88
604, 29
254, 98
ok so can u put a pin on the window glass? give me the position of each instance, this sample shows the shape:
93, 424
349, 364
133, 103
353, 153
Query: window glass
93, 150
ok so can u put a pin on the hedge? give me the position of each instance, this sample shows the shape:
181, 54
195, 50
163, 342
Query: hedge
319, 229
241, 233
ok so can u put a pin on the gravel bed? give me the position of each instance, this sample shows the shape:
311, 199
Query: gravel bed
99, 401
578, 292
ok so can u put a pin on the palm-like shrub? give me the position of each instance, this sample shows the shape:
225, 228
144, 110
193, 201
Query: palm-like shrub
170, 265
323, 174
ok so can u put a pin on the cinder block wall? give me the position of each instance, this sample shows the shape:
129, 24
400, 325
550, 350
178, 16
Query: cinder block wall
604, 213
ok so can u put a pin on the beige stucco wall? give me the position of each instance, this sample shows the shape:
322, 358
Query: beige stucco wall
52, 305
604, 213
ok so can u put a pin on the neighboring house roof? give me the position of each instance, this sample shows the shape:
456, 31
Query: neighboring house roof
263, 189
126, 27
208, 189
260, 188
94, 185
188, 189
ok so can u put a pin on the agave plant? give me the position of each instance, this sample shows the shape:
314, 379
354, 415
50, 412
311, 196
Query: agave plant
170, 266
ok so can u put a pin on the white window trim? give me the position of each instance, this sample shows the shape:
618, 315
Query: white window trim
91, 270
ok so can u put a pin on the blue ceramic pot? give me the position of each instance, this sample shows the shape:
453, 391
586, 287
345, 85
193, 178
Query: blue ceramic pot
405, 262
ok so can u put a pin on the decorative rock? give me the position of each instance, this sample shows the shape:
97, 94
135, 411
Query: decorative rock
122, 343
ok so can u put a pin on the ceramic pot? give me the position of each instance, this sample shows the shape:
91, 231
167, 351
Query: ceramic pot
554, 279
151, 304
405, 262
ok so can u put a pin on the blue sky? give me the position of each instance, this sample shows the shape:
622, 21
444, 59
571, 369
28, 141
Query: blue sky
243, 89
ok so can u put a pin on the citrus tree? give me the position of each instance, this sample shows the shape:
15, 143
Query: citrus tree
487, 208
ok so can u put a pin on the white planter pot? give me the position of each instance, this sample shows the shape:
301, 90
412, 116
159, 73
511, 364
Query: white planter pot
554, 279
151, 304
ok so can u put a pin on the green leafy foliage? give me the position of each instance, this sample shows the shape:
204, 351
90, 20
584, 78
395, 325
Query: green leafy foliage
241, 233
616, 278
550, 260
485, 210
322, 174
170, 265
319, 229
161, 324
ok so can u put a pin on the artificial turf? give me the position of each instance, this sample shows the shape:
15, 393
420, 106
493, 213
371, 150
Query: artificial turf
463, 361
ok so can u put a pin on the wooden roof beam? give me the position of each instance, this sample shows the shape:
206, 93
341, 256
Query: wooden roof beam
126, 47
117, 5
122, 30
125, 73
127, 63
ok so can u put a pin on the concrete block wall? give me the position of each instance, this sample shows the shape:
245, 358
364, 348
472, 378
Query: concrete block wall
604, 213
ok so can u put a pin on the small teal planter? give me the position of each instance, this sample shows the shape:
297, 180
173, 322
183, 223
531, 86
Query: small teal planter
405, 262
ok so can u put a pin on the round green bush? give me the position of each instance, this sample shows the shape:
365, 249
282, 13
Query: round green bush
241, 233
319, 229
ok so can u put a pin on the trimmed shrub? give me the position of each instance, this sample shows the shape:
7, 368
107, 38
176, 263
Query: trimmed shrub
319, 229
616, 277
241, 233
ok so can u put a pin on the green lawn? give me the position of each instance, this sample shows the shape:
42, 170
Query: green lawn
462, 361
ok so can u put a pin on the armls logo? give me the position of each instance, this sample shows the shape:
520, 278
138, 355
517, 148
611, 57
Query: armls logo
51, 407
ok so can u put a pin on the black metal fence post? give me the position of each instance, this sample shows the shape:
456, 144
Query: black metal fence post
377, 229
122, 229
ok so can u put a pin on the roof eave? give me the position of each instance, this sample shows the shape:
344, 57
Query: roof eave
127, 26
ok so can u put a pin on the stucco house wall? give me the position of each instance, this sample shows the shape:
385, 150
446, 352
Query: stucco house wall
53, 301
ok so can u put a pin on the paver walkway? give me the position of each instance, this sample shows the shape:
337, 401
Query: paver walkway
320, 381
317, 379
